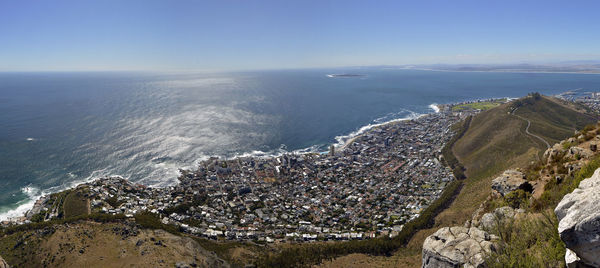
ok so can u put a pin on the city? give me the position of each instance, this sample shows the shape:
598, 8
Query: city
369, 187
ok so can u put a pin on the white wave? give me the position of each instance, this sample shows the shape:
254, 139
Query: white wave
30, 190
278, 152
343, 139
30, 139
20, 210
340, 140
310, 149
392, 116
34, 193
434, 107
165, 173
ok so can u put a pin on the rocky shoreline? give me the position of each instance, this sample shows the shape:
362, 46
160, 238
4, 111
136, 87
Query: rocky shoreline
341, 195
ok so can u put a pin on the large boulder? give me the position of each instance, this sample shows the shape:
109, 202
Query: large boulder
457, 246
3, 263
577, 152
579, 221
509, 181
554, 153
490, 220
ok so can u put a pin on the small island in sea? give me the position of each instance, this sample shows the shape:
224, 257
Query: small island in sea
345, 75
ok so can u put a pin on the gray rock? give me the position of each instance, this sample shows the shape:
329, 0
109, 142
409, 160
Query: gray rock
3, 263
579, 221
553, 153
490, 220
577, 151
457, 246
182, 265
509, 181
571, 259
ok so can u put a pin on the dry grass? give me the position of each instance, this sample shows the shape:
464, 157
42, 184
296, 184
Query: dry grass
89, 244
76, 204
495, 141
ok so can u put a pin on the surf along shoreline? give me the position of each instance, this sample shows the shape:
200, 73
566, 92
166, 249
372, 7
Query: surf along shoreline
24, 207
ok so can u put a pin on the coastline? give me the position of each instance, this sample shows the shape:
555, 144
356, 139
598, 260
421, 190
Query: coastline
502, 71
17, 214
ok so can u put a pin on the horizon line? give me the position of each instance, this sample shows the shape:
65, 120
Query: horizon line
406, 66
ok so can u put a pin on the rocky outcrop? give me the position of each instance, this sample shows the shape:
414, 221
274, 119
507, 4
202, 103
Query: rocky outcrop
573, 167
572, 260
577, 152
569, 149
490, 220
579, 222
3, 263
457, 246
554, 153
509, 181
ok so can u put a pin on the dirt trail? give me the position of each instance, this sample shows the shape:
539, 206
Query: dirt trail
527, 129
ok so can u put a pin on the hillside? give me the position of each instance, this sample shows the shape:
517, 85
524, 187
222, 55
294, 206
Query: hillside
539, 215
92, 244
509, 135
494, 141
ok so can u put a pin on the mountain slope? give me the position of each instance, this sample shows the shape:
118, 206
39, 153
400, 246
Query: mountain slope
91, 244
495, 140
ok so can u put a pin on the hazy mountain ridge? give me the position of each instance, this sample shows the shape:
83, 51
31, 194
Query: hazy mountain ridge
592, 67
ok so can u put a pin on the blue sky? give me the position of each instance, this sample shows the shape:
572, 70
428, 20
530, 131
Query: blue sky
243, 35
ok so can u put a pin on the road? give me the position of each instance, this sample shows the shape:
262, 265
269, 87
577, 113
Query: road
527, 128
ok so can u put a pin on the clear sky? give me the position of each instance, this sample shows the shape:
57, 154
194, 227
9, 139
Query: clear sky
254, 34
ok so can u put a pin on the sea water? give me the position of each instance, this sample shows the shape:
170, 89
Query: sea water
61, 129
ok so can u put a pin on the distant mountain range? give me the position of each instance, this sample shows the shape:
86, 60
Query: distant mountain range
563, 67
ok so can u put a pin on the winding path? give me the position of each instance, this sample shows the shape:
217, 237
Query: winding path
527, 128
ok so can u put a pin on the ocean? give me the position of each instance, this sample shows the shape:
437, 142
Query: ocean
59, 129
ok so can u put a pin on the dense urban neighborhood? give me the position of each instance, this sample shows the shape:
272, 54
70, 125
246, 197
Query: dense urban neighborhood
591, 100
369, 187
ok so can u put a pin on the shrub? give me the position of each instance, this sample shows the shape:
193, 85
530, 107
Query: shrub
114, 201
530, 242
98, 217
517, 199
75, 204
152, 221
554, 191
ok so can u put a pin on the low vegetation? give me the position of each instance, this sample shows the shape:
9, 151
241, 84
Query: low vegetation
494, 141
152, 221
555, 189
97, 217
529, 242
486, 144
76, 203
20, 249
459, 129
533, 241
224, 250
114, 201
483, 105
